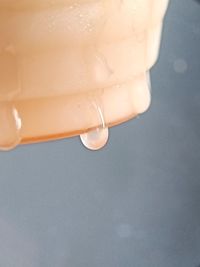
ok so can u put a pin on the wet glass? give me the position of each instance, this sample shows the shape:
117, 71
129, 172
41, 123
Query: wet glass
75, 67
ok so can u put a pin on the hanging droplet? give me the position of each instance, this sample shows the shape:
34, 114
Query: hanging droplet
10, 126
97, 138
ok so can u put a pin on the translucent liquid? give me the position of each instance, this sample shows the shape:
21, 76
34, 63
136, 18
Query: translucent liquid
58, 58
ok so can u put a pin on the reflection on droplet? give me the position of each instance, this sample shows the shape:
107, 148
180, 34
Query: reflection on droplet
10, 126
96, 139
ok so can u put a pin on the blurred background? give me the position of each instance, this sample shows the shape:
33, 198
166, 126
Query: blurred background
136, 203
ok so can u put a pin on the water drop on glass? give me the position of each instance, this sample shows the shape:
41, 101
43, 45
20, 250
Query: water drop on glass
10, 126
96, 139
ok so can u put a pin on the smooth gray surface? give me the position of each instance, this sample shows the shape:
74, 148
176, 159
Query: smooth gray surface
136, 203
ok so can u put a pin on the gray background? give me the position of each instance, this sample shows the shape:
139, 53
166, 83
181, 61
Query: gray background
136, 203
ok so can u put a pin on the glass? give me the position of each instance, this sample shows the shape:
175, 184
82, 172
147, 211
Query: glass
75, 67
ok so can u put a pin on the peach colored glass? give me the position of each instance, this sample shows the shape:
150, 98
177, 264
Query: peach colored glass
70, 66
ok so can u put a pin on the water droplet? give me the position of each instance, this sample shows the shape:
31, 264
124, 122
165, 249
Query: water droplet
10, 126
97, 138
